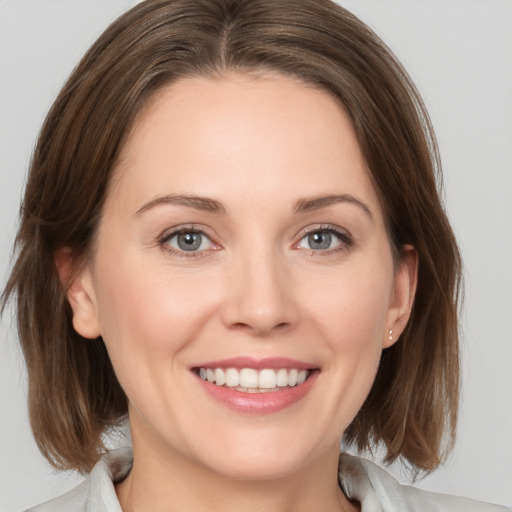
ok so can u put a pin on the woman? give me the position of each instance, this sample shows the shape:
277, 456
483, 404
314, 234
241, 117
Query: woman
230, 214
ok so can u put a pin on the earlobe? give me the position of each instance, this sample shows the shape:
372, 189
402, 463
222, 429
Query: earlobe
80, 294
402, 300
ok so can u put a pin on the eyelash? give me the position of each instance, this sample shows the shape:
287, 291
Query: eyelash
166, 237
346, 241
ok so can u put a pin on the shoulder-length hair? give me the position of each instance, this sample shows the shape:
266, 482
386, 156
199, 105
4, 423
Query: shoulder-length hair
74, 395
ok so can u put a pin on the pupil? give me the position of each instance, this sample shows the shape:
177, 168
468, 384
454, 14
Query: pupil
320, 240
189, 241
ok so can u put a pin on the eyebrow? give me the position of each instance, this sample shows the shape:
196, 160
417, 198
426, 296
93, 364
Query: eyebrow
210, 205
206, 204
307, 204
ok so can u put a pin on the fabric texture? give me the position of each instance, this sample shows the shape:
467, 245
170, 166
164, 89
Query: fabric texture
360, 479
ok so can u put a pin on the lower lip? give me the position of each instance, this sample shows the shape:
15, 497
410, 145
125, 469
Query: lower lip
258, 403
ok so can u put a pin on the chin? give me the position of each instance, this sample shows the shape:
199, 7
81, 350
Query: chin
255, 461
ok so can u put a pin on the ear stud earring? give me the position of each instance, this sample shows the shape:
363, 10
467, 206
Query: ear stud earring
390, 337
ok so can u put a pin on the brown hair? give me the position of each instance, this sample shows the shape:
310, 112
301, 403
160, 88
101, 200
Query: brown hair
74, 395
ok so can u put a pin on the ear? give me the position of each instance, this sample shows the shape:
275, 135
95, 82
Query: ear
80, 293
402, 298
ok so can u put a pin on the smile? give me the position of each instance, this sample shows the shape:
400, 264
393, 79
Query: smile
256, 386
251, 380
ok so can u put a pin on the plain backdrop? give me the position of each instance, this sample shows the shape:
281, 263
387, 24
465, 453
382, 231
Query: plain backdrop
459, 52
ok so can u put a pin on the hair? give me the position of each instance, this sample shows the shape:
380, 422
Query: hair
74, 395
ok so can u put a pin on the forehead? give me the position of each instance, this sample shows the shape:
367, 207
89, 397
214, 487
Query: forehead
247, 136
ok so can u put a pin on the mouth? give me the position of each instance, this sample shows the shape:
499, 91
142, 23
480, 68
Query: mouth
252, 380
253, 386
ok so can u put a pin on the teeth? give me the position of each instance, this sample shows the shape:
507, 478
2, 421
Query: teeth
248, 378
254, 381
267, 379
220, 377
282, 377
232, 377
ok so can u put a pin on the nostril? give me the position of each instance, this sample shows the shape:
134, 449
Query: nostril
259, 330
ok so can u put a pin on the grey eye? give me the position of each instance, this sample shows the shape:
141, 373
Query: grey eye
320, 240
323, 240
190, 241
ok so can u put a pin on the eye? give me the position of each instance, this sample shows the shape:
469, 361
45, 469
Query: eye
189, 240
324, 240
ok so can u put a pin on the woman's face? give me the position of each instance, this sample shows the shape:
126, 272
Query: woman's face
242, 240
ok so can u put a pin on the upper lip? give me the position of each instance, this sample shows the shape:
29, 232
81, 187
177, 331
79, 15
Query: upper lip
257, 364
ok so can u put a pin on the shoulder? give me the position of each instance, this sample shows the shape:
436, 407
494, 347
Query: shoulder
378, 491
97, 492
73, 501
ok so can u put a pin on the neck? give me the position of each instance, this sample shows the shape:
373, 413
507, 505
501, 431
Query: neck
162, 481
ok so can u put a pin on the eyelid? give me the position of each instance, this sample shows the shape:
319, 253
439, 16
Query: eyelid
343, 235
337, 230
170, 233
346, 239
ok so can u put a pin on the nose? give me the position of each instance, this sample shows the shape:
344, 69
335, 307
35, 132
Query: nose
259, 295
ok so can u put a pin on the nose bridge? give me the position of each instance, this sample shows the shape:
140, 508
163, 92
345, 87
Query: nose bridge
259, 298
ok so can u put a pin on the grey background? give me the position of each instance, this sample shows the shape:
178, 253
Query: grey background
459, 52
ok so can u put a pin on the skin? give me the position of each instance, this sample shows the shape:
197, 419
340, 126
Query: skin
255, 288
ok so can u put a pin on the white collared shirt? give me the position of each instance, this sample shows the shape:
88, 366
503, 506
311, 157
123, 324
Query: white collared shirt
360, 480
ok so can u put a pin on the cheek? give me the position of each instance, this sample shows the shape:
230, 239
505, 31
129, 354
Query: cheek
147, 324
351, 306
147, 313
